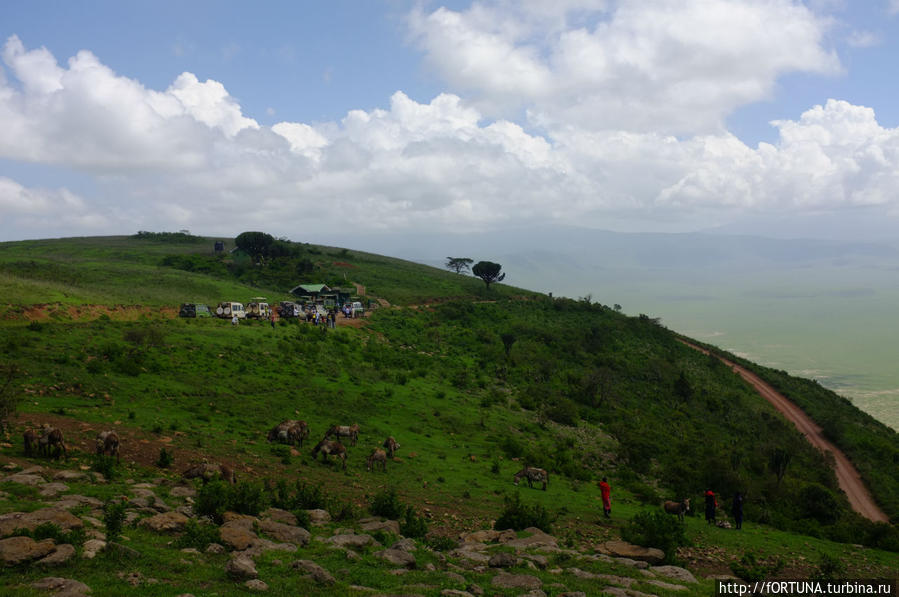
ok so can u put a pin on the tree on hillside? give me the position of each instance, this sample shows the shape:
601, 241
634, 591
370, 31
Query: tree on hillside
458, 264
257, 244
9, 399
488, 271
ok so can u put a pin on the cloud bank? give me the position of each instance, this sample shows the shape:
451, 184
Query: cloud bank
581, 112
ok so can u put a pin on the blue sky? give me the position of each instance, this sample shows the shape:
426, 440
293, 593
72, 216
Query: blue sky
397, 117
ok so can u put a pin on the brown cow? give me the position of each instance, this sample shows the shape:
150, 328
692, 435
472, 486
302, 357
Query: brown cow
108, 444
677, 508
391, 446
289, 432
330, 448
378, 456
533, 475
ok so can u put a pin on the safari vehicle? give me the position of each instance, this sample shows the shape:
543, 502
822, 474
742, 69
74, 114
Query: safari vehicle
228, 309
356, 310
194, 310
289, 309
258, 309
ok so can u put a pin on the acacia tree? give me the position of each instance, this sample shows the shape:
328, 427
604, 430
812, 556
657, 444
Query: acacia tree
9, 398
488, 271
458, 264
257, 244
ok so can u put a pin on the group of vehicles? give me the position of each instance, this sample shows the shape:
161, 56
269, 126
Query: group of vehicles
257, 308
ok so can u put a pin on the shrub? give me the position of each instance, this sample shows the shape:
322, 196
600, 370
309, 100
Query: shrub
518, 516
830, 568
247, 498
440, 543
212, 500
750, 568
413, 525
309, 497
656, 529
105, 465
35, 326
113, 519
387, 504
49, 530
165, 459
198, 535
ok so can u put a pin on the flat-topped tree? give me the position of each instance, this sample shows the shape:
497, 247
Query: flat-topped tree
488, 271
458, 264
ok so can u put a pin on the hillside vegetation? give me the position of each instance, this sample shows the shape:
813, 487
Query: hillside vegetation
472, 383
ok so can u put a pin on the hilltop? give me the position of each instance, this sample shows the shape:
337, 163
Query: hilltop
473, 382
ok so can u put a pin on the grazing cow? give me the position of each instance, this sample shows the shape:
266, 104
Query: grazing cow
330, 448
378, 456
51, 441
338, 431
533, 475
289, 432
677, 508
391, 446
31, 441
207, 471
108, 444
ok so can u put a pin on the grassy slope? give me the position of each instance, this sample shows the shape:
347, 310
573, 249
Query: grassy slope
439, 380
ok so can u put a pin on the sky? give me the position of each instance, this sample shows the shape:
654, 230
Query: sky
309, 119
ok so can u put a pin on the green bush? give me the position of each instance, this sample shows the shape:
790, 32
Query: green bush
105, 465
165, 459
49, 530
198, 535
440, 543
413, 525
656, 529
114, 519
247, 498
519, 516
387, 504
212, 500
751, 569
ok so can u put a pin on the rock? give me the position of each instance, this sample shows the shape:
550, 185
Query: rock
534, 593
167, 522
141, 491
132, 578
537, 538
123, 551
91, 548
638, 564
53, 489
471, 555
241, 567
573, 594
455, 577
516, 581
371, 525
397, 557
352, 555
237, 537
278, 515
261, 546
34, 470
623, 549
318, 517
256, 585
31, 520
541, 561
319, 574
72, 500
17, 550
353, 541
62, 586
61, 555
404, 545
182, 491
676, 572
284, 532
502, 560
666, 585
67, 475
215, 548
455, 593
191, 550
25, 479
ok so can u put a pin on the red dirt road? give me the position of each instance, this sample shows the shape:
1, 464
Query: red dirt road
847, 476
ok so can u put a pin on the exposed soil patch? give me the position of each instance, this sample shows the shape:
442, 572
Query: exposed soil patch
61, 312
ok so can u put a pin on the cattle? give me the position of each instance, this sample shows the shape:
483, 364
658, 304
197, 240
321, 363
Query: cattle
208, 471
330, 448
30, 438
52, 442
533, 475
338, 431
108, 444
391, 446
289, 432
678, 508
378, 456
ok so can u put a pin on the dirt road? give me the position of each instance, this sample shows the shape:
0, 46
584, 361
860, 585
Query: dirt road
849, 479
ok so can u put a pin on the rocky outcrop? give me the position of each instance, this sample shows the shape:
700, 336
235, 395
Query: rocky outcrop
61, 586
397, 557
623, 549
351, 540
284, 532
318, 574
167, 522
516, 581
60, 556
18, 550
31, 520
241, 567
371, 525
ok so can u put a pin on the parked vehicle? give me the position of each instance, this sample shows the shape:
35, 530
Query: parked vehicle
228, 309
258, 310
356, 310
194, 310
289, 309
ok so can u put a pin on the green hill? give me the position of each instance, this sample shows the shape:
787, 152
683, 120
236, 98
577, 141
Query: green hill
473, 383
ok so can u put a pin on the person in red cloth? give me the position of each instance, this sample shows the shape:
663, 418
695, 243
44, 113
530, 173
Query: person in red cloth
711, 505
606, 492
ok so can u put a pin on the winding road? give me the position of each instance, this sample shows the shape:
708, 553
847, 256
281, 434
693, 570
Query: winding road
847, 476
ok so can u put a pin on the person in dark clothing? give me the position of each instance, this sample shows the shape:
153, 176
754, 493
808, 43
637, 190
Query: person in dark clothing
737, 510
711, 504
606, 492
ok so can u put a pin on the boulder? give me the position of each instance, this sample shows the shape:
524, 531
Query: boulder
279, 515
404, 545
455, 593
351, 540
215, 548
61, 555
397, 557
72, 500
285, 533
516, 581
675, 572
666, 585
256, 585
261, 546
502, 560
53, 489
25, 479
17, 550
183, 491
167, 522
91, 548
241, 567
371, 525
61, 586
537, 538
237, 536
31, 520
67, 475
623, 549
319, 574
318, 517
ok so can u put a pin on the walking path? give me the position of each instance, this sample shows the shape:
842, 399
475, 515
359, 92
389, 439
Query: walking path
847, 476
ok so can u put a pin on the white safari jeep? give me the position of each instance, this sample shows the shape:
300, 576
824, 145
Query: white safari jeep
227, 310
